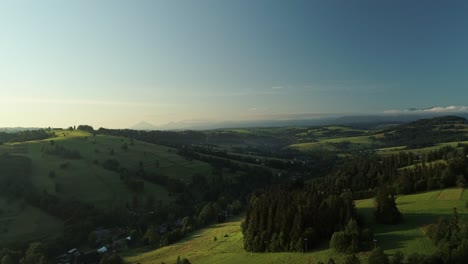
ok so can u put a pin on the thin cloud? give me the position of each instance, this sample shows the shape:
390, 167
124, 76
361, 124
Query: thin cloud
436, 109
277, 87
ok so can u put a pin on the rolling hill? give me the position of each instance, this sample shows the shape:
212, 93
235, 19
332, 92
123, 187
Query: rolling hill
86, 179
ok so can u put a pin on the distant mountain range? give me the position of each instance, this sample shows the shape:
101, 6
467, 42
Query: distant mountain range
292, 120
303, 121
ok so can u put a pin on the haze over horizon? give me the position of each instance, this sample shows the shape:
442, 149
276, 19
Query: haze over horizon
116, 63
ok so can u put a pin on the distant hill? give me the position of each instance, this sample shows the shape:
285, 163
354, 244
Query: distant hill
302, 120
443, 120
427, 132
143, 126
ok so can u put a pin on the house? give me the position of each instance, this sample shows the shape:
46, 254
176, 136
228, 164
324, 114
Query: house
102, 250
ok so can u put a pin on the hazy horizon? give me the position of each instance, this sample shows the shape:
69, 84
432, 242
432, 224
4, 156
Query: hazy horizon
117, 63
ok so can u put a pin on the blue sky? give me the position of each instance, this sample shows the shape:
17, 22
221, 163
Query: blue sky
115, 63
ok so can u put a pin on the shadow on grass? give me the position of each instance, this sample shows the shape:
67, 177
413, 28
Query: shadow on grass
397, 236
393, 241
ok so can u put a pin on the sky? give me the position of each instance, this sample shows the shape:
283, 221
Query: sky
116, 63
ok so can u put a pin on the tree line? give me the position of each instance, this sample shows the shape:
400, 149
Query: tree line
27, 135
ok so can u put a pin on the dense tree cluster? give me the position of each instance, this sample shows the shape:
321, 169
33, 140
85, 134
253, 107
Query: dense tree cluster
26, 135
36, 253
86, 128
451, 238
8, 256
284, 218
364, 175
352, 239
167, 138
279, 164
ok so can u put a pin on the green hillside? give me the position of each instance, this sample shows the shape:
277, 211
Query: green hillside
84, 179
418, 210
418, 137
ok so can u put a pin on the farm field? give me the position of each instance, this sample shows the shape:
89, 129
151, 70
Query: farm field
366, 139
398, 149
327, 143
418, 211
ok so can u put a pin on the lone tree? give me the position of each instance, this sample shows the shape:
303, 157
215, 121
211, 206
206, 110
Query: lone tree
347, 241
386, 211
